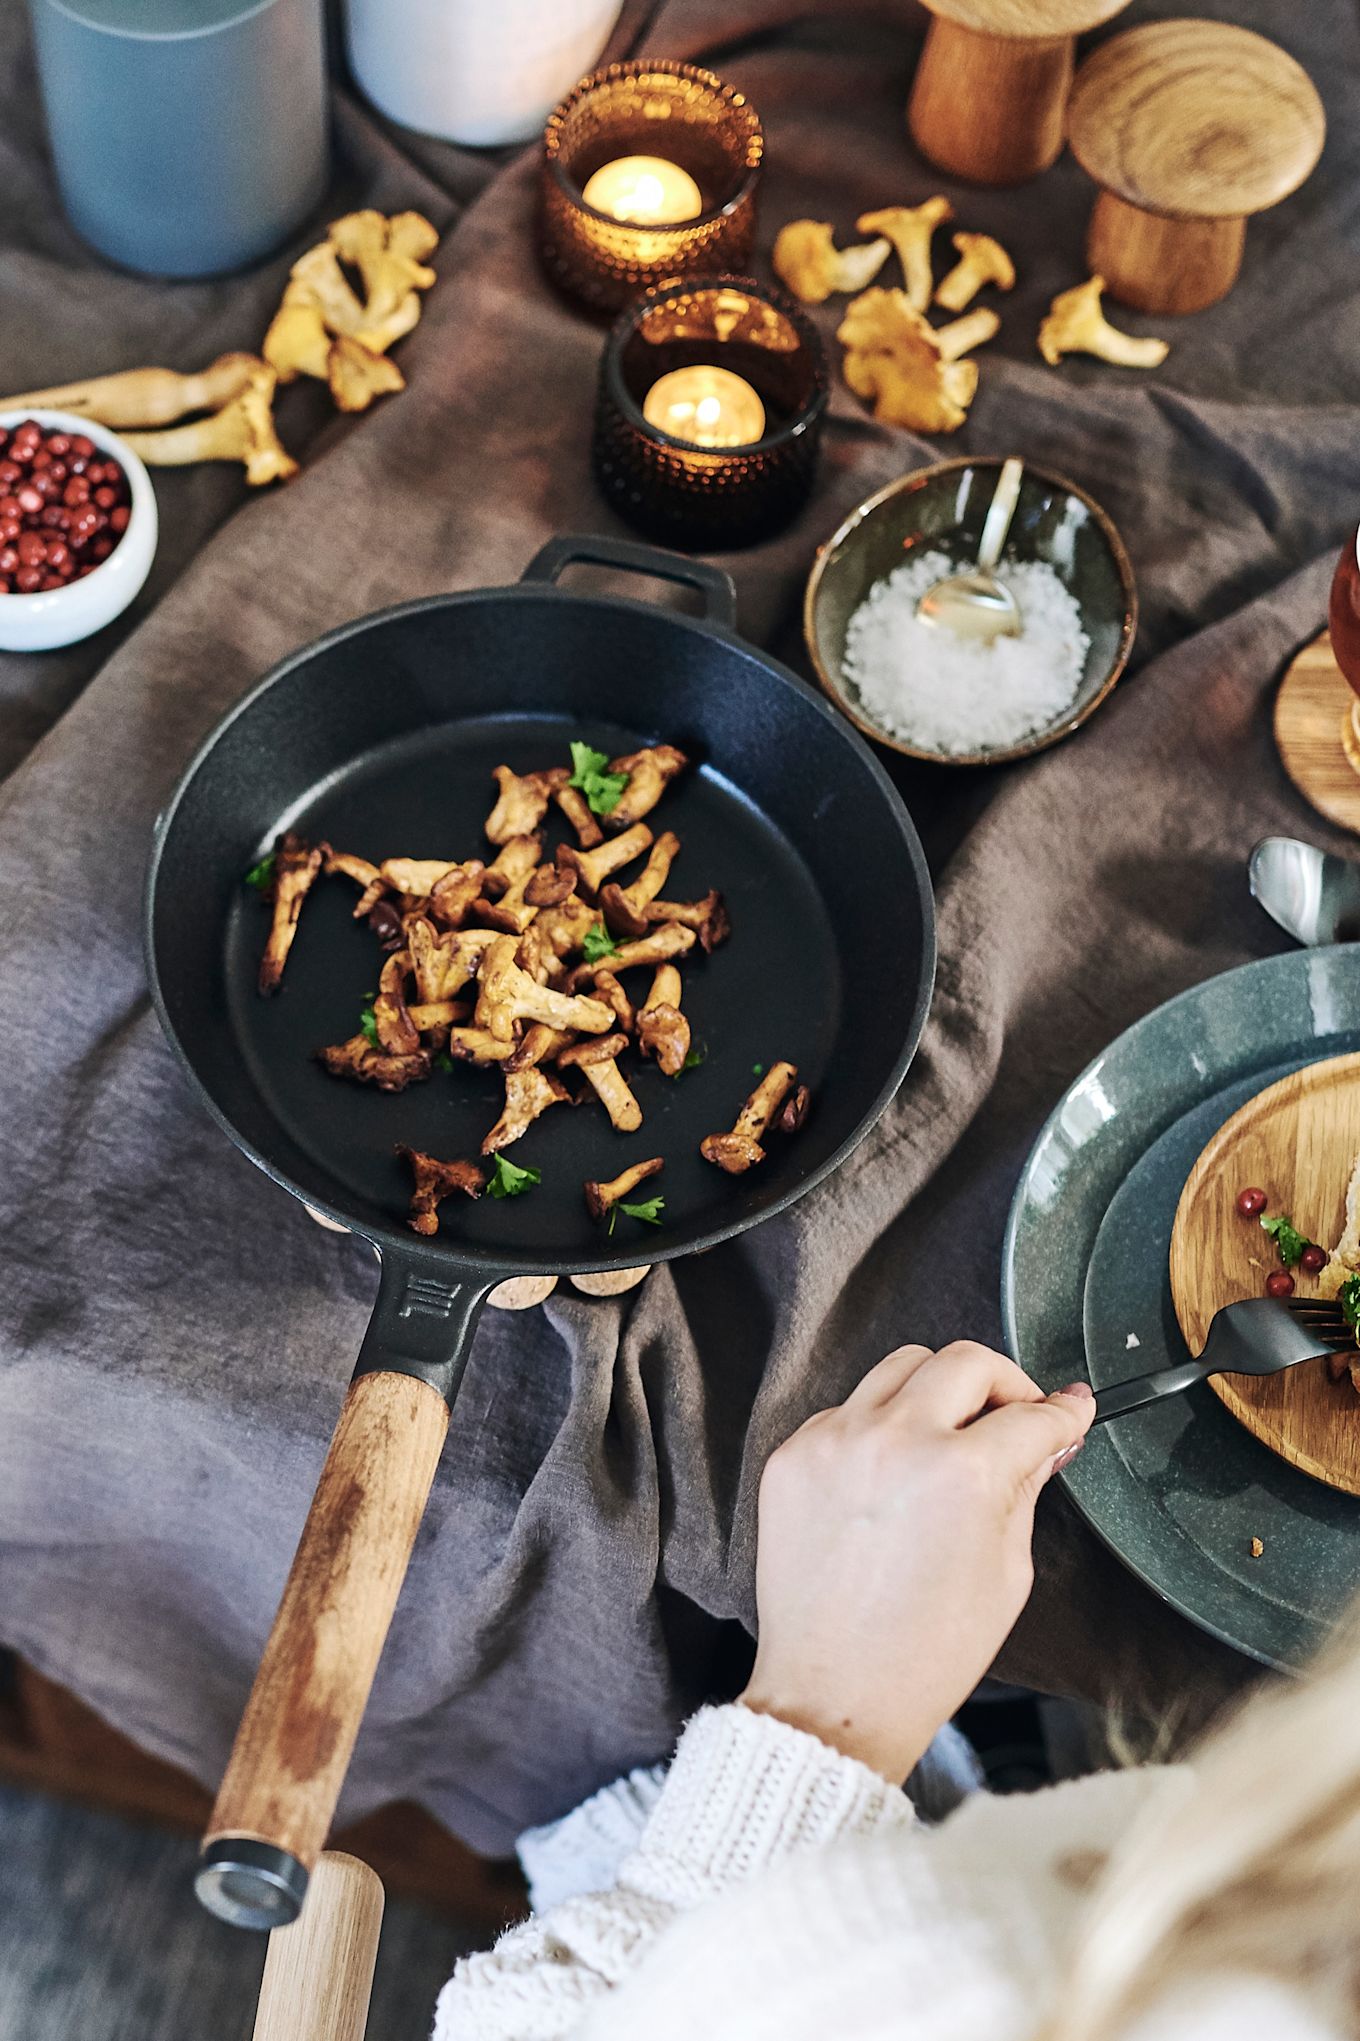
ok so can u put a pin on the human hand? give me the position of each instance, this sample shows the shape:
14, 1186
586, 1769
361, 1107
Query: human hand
894, 1549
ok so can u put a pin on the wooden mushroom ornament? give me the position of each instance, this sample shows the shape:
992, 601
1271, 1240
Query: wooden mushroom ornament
991, 87
1189, 127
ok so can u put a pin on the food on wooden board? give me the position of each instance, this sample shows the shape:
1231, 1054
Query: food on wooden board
906, 368
981, 261
533, 1010
64, 506
740, 1149
1076, 325
806, 259
910, 229
1337, 1273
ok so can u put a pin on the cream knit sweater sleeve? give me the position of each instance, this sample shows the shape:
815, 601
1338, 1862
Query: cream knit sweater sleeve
745, 1791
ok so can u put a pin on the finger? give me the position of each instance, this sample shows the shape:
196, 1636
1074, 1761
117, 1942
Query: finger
964, 1379
1028, 1439
888, 1376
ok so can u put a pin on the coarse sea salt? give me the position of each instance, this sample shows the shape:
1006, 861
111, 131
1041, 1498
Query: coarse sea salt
954, 695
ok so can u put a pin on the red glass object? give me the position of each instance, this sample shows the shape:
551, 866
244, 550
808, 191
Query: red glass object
1343, 611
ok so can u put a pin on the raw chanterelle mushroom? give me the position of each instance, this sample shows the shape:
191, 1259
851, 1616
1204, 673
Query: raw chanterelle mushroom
1076, 325
323, 329
906, 368
600, 1196
909, 228
741, 1149
296, 864
981, 261
806, 258
435, 1180
243, 430
144, 397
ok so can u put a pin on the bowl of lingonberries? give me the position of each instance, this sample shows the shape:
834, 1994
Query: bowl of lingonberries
77, 528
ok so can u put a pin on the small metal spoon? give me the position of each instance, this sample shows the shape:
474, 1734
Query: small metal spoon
976, 604
1313, 895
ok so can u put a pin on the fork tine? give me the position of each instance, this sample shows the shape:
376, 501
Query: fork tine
1315, 1307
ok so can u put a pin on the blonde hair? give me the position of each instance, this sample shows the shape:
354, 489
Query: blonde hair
1254, 1869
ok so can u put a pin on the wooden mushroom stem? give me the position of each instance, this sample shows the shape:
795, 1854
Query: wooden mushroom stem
989, 107
1157, 264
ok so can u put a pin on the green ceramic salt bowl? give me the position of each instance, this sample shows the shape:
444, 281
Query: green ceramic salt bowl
944, 506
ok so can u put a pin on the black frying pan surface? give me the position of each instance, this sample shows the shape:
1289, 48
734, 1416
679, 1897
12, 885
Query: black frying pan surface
381, 739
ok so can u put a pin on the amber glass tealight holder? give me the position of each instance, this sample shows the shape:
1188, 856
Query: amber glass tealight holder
715, 496
687, 118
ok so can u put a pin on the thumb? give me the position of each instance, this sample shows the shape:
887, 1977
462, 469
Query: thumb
1034, 1438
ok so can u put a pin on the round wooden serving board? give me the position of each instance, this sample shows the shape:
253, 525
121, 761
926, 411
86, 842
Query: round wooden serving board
1312, 711
1298, 1140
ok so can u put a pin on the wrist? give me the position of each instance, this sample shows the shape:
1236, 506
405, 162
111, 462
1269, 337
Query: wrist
891, 1751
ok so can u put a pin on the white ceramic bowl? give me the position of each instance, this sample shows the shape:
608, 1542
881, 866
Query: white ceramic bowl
62, 616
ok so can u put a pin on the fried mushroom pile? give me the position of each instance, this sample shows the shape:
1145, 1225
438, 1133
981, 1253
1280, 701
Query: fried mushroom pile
516, 960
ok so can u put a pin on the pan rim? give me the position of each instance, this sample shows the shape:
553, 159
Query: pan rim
486, 1265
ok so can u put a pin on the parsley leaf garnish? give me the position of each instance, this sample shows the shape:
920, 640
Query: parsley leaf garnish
1348, 1297
261, 876
1289, 1241
697, 1055
598, 944
508, 1179
368, 1022
650, 1212
603, 790
443, 1061
757, 1070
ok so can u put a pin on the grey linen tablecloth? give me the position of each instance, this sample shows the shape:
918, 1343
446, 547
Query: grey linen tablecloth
175, 1333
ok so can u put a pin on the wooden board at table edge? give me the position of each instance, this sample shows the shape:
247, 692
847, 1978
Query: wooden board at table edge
1312, 708
1307, 1419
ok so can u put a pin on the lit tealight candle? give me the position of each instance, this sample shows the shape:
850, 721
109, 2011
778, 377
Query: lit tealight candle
644, 191
706, 406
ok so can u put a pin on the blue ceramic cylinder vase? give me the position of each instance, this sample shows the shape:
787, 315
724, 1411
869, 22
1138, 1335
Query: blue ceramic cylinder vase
189, 136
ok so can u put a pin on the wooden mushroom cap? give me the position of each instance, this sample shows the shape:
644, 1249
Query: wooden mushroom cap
1026, 20
1195, 120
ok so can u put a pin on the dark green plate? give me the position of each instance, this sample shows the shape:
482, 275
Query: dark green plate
1179, 1490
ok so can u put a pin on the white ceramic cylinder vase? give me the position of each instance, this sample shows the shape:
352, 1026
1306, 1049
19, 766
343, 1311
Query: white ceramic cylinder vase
480, 72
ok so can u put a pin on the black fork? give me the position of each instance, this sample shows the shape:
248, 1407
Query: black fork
1260, 1336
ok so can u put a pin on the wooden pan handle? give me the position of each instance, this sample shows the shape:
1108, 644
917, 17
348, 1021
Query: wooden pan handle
292, 1749
318, 1976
